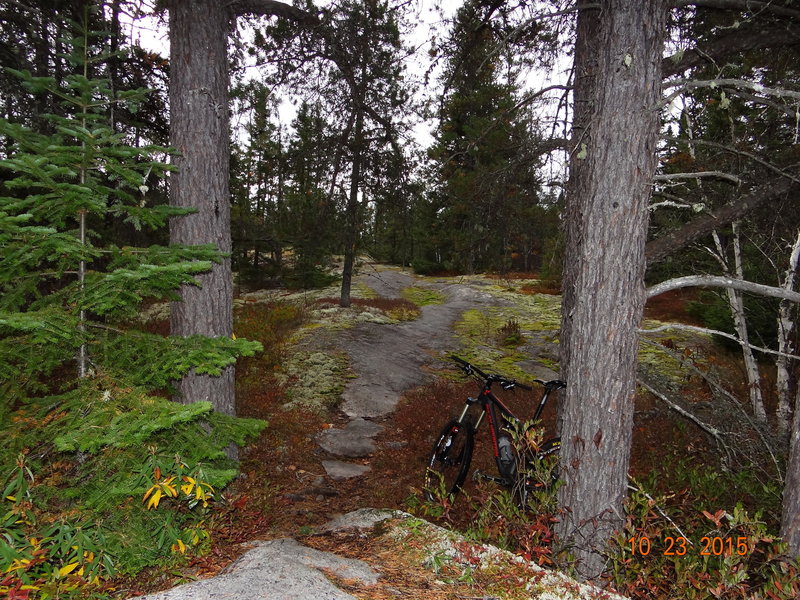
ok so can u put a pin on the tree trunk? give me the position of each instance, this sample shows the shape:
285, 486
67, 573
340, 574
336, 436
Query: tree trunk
790, 519
607, 233
736, 303
786, 328
351, 217
585, 76
199, 131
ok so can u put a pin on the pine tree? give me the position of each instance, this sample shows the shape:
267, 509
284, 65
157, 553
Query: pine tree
486, 180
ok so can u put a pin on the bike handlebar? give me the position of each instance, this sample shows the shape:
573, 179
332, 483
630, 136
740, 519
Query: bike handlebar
508, 384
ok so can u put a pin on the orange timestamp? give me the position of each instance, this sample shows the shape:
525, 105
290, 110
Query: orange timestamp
681, 546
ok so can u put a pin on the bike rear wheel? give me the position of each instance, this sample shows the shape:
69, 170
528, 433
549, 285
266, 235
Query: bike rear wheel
539, 474
449, 461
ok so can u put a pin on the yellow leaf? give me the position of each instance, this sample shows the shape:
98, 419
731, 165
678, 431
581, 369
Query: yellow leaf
186, 489
233, 336
150, 491
179, 546
155, 499
12, 498
67, 569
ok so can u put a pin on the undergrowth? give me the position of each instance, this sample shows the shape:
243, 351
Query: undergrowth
692, 529
398, 309
105, 480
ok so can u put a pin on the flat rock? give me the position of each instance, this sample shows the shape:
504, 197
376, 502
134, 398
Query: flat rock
281, 569
363, 518
339, 470
354, 441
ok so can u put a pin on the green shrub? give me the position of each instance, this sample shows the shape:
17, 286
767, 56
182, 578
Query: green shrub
423, 266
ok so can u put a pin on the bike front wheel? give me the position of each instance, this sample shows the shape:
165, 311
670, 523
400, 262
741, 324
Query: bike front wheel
449, 461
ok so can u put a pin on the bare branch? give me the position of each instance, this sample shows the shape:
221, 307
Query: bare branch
633, 485
716, 386
660, 248
722, 282
275, 9
704, 330
739, 152
688, 84
698, 175
712, 431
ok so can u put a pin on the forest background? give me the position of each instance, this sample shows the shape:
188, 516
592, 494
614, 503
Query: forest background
709, 88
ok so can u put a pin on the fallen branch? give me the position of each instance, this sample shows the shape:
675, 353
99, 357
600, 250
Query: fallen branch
705, 330
718, 387
712, 431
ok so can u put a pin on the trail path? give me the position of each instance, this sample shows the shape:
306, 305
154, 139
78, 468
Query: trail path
389, 359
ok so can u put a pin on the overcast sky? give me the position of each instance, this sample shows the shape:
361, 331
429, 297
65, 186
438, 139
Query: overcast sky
428, 19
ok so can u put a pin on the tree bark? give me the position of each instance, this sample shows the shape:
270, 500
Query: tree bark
585, 76
200, 132
609, 217
790, 517
351, 214
785, 381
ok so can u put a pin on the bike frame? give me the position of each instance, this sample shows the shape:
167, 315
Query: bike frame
489, 401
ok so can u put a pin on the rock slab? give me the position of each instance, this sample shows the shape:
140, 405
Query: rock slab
281, 569
354, 441
339, 470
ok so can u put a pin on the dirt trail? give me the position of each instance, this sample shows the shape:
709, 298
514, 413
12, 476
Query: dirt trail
389, 359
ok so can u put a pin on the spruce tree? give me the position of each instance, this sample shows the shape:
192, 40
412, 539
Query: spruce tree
64, 291
486, 178
80, 383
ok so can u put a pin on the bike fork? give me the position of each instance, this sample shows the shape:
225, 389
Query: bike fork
463, 416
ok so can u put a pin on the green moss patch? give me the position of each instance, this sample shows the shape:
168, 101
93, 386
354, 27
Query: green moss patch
423, 296
315, 381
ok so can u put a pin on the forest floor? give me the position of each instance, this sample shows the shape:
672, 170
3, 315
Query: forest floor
401, 367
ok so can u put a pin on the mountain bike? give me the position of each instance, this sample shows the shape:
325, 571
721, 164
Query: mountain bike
452, 453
